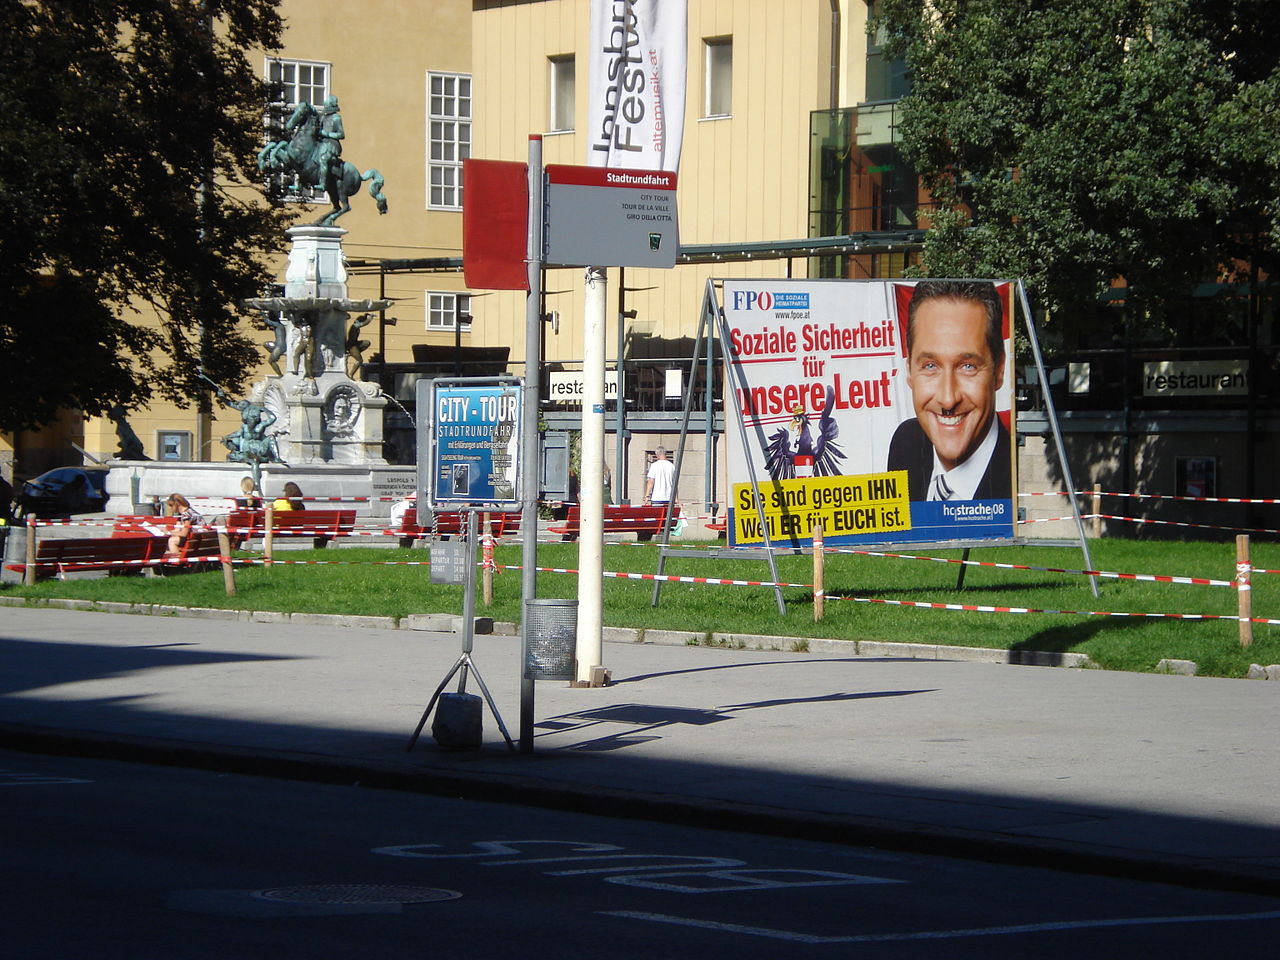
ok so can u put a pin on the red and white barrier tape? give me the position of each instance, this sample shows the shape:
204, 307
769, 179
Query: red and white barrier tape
918, 604
613, 574
981, 608
1083, 516
98, 564
1181, 523
1150, 577
1151, 496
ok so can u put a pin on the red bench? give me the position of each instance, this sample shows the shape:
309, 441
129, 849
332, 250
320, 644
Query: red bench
449, 524
321, 525
141, 525
201, 545
58, 556
130, 552
644, 522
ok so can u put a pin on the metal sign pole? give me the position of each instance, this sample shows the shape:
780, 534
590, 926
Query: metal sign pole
1057, 433
529, 437
465, 664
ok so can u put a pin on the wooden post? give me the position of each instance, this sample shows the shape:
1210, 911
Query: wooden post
1244, 589
486, 542
268, 518
29, 568
228, 572
1096, 506
819, 564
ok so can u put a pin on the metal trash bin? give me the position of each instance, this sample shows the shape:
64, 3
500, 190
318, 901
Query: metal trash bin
551, 636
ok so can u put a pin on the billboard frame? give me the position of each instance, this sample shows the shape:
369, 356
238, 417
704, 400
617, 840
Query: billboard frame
713, 318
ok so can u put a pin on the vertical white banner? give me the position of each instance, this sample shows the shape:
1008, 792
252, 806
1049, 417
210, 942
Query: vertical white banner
636, 83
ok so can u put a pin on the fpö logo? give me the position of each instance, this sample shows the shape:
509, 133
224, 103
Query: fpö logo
764, 300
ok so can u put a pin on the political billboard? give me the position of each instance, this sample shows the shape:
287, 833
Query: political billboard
881, 410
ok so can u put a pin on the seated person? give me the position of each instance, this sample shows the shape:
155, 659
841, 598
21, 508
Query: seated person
291, 499
398, 510
178, 506
250, 496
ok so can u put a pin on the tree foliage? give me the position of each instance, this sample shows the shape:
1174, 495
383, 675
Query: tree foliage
128, 135
1071, 144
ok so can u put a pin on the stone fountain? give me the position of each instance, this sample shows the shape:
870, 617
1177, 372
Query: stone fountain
321, 414
310, 421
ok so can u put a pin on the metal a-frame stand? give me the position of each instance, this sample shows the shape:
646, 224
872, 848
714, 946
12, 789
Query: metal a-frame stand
464, 664
712, 317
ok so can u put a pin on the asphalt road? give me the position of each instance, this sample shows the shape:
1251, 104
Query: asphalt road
110, 860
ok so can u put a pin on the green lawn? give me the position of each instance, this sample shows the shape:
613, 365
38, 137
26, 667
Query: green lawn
380, 581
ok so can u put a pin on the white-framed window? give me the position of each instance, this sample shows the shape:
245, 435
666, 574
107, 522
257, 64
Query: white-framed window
563, 87
718, 76
291, 82
445, 309
448, 138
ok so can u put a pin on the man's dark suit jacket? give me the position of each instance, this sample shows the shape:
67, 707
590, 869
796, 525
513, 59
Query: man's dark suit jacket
911, 450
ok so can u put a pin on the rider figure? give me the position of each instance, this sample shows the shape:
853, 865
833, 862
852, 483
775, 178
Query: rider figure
331, 134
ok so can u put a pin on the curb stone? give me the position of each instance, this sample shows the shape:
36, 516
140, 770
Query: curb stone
674, 638
113, 606
343, 620
443, 623
216, 613
746, 641
621, 635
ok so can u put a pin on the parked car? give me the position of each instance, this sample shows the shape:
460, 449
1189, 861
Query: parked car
62, 492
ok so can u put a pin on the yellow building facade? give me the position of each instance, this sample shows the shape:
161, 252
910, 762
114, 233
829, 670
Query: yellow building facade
744, 171
422, 85
756, 71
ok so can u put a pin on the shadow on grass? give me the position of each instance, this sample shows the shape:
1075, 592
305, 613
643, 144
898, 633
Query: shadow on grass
947, 592
1066, 638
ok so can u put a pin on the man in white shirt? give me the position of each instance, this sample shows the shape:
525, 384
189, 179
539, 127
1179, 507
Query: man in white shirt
660, 482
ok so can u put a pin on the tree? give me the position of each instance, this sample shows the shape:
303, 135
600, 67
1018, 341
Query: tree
128, 136
1072, 144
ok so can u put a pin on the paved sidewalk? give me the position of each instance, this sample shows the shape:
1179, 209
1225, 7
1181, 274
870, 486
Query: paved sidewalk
1165, 777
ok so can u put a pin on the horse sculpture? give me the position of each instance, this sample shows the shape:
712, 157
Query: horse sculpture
317, 162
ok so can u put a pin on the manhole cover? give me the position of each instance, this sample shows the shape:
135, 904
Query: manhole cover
357, 893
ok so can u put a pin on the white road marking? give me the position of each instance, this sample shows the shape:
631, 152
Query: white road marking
492, 848
11, 778
759, 878
797, 937
665, 862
